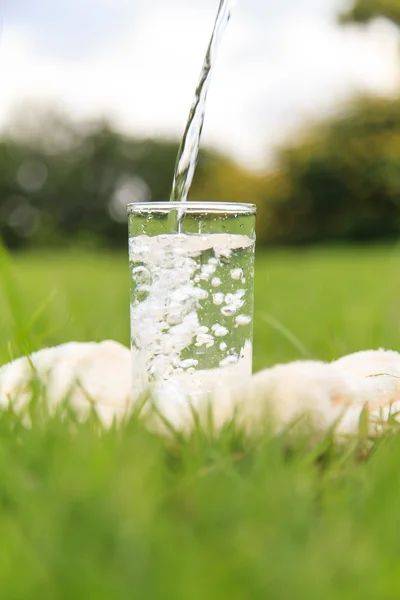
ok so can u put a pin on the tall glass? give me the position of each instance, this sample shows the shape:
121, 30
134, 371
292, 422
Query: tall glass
192, 279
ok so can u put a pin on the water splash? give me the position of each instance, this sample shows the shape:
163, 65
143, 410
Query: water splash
189, 148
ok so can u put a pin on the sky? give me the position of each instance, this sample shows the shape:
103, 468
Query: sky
282, 62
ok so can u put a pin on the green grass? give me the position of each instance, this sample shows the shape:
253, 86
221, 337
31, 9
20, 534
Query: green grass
318, 303
125, 514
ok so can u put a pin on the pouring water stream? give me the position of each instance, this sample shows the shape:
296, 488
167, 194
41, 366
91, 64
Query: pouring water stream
189, 148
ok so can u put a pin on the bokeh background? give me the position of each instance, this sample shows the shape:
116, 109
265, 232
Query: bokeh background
303, 116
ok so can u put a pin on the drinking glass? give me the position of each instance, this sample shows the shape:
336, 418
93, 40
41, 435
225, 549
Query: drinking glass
191, 305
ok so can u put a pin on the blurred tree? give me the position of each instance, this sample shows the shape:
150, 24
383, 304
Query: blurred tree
65, 182
341, 181
226, 181
362, 11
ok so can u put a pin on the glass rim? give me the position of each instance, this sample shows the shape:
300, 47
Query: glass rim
193, 207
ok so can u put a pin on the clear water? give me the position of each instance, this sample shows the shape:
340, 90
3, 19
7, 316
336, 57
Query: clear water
191, 304
189, 149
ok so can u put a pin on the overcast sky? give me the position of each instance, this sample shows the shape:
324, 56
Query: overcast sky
138, 61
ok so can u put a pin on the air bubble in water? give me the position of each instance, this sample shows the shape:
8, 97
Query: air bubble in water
236, 273
219, 330
208, 269
188, 363
204, 339
218, 298
201, 294
141, 276
232, 359
242, 320
229, 310
202, 329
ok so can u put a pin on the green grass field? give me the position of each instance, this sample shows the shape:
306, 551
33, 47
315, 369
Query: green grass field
123, 514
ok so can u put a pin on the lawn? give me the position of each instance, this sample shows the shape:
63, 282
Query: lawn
318, 303
126, 514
